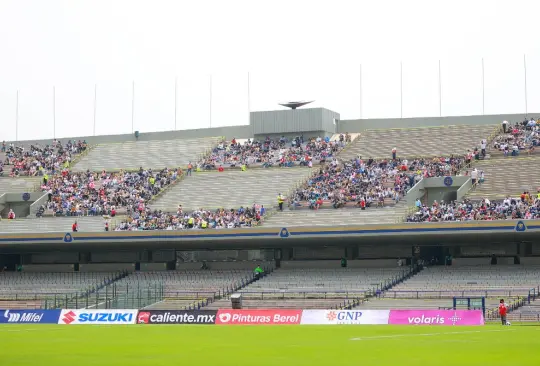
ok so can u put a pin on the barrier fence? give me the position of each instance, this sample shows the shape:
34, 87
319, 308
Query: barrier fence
244, 317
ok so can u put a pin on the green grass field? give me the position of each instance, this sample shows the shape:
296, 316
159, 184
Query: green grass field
157, 345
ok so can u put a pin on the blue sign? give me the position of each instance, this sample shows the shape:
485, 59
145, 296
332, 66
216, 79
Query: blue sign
448, 181
284, 233
29, 316
68, 238
26, 196
520, 226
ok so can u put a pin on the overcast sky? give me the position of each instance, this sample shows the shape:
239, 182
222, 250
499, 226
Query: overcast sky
293, 50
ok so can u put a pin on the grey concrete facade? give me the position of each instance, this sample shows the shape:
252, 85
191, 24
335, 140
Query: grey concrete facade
323, 122
359, 125
294, 121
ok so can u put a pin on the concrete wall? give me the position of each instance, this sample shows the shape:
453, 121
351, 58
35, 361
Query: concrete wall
107, 267
148, 267
48, 268
293, 121
34, 207
325, 124
359, 125
464, 189
229, 132
437, 190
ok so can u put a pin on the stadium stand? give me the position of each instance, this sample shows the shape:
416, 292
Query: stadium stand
231, 188
32, 159
505, 163
154, 154
419, 141
19, 185
345, 216
525, 207
507, 176
436, 286
189, 287
28, 289
526, 313
308, 285
280, 152
53, 225
198, 219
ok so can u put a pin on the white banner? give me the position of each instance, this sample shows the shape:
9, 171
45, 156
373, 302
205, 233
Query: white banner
345, 317
84, 316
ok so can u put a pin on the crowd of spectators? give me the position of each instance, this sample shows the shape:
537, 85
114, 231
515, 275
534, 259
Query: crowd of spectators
369, 182
148, 219
525, 207
273, 152
91, 194
519, 137
39, 160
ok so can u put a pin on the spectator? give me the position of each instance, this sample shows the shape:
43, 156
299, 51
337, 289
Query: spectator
75, 227
11, 214
505, 126
280, 200
271, 152
370, 182
38, 160
199, 219
526, 207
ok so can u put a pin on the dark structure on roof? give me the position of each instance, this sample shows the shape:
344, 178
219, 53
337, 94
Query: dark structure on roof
294, 105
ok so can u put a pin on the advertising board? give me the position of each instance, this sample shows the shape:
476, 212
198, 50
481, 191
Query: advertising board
12, 316
85, 316
177, 317
258, 317
345, 317
436, 317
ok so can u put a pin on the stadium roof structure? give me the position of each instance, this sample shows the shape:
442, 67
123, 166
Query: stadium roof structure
294, 105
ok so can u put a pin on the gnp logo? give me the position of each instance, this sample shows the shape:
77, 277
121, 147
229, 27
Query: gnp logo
98, 317
143, 317
344, 316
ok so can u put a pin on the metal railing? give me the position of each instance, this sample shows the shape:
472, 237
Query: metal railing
446, 294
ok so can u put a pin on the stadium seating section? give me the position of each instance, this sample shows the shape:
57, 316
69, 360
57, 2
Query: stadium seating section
209, 189
298, 284
420, 141
155, 154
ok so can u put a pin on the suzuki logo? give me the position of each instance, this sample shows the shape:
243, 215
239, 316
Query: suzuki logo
69, 317
225, 317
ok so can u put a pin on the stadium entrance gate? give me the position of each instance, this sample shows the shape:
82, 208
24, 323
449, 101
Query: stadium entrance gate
470, 303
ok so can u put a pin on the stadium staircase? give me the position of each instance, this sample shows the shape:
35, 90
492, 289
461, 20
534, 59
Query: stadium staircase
384, 287
418, 141
89, 298
507, 176
154, 154
231, 188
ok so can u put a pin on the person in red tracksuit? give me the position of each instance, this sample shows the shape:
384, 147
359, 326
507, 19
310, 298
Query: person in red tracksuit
503, 310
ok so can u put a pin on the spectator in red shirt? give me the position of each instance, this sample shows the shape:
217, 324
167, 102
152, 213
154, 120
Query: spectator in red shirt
75, 227
503, 310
